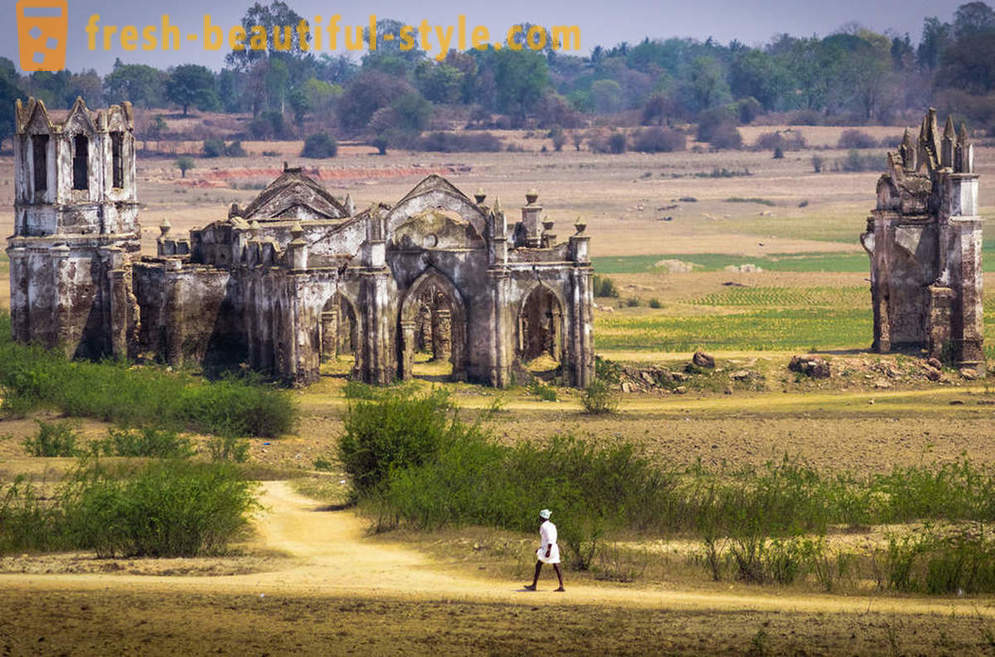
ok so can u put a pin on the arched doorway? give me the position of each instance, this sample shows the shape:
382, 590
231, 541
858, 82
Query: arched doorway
339, 333
540, 329
433, 327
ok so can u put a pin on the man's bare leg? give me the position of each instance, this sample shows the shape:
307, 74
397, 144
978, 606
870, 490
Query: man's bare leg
535, 578
559, 576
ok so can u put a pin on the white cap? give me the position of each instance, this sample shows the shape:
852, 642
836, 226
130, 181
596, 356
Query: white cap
545, 513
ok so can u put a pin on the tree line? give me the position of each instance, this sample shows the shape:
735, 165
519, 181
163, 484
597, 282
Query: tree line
389, 96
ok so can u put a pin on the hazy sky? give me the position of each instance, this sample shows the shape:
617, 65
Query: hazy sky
750, 21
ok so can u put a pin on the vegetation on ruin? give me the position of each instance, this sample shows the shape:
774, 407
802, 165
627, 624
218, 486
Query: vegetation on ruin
32, 377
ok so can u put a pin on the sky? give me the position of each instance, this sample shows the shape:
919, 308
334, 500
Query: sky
750, 21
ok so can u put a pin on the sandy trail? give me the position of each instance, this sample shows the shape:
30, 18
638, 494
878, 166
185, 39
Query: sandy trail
331, 555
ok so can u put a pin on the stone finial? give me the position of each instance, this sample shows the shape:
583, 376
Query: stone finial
165, 227
962, 134
234, 210
580, 226
254, 229
297, 231
479, 196
497, 205
547, 225
350, 205
532, 196
908, 151
948, 129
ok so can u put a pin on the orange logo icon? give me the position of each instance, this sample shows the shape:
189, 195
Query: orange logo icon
42, 28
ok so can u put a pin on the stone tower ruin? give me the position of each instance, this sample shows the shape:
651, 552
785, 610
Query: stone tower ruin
924, 240
75, 228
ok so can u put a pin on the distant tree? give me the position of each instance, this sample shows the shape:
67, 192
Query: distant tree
192, 84
365, 94
760, 75
380, 143
142, 85
413, 112
276, 14
9, 93
707, 84
972, 19
606, 96
521, 77
559, 138
184, 164
936, 36
439, 83
87, 85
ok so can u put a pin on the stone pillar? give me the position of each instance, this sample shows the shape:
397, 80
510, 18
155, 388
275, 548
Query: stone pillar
500, 330
442, 334
581, 352
532, 220
174, 313
407, 349
329, 334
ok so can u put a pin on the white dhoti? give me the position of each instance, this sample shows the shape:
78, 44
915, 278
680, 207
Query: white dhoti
554, 554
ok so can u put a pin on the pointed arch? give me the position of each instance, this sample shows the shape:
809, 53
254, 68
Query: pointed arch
450, 319
541, 322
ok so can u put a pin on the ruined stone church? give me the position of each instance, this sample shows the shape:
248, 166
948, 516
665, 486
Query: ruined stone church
294, 278
925, 240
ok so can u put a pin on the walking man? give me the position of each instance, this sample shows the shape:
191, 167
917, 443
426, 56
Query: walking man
548, 552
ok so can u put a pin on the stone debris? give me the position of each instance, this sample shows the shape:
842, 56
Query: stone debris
703, 360
811, 366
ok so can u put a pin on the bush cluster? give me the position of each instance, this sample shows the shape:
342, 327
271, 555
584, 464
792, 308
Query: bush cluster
320, 146
33, 377
170, 508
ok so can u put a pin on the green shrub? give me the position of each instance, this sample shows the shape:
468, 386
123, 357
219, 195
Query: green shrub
144, 442
655, 303
395, 431
320, 145
229, 448
170, 508
145, 396
53, 439
632, 302
213, 148
544, 392
599, 398
604, 287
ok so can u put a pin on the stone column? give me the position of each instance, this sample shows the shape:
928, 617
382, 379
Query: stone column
329, 334
442, 334
407, 349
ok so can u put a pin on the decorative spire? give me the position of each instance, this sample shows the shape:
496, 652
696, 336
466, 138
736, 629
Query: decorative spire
479, 196
948, 130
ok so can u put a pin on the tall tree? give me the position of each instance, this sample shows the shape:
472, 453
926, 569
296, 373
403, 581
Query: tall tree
192, 84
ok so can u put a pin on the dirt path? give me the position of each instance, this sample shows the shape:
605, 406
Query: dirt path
330, 555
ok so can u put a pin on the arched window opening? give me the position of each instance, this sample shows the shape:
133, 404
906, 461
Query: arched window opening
117, 158
39, 146
81, 162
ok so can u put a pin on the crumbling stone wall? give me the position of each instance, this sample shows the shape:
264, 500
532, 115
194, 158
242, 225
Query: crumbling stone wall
924, 239
291, 278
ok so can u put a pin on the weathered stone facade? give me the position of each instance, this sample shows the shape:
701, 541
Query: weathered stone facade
292, 279
924, 240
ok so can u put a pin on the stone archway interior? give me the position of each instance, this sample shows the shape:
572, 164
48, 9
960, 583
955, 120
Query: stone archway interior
339, 329
540, 326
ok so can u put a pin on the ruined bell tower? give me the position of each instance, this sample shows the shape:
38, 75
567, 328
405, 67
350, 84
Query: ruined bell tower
75, 228
925, 240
